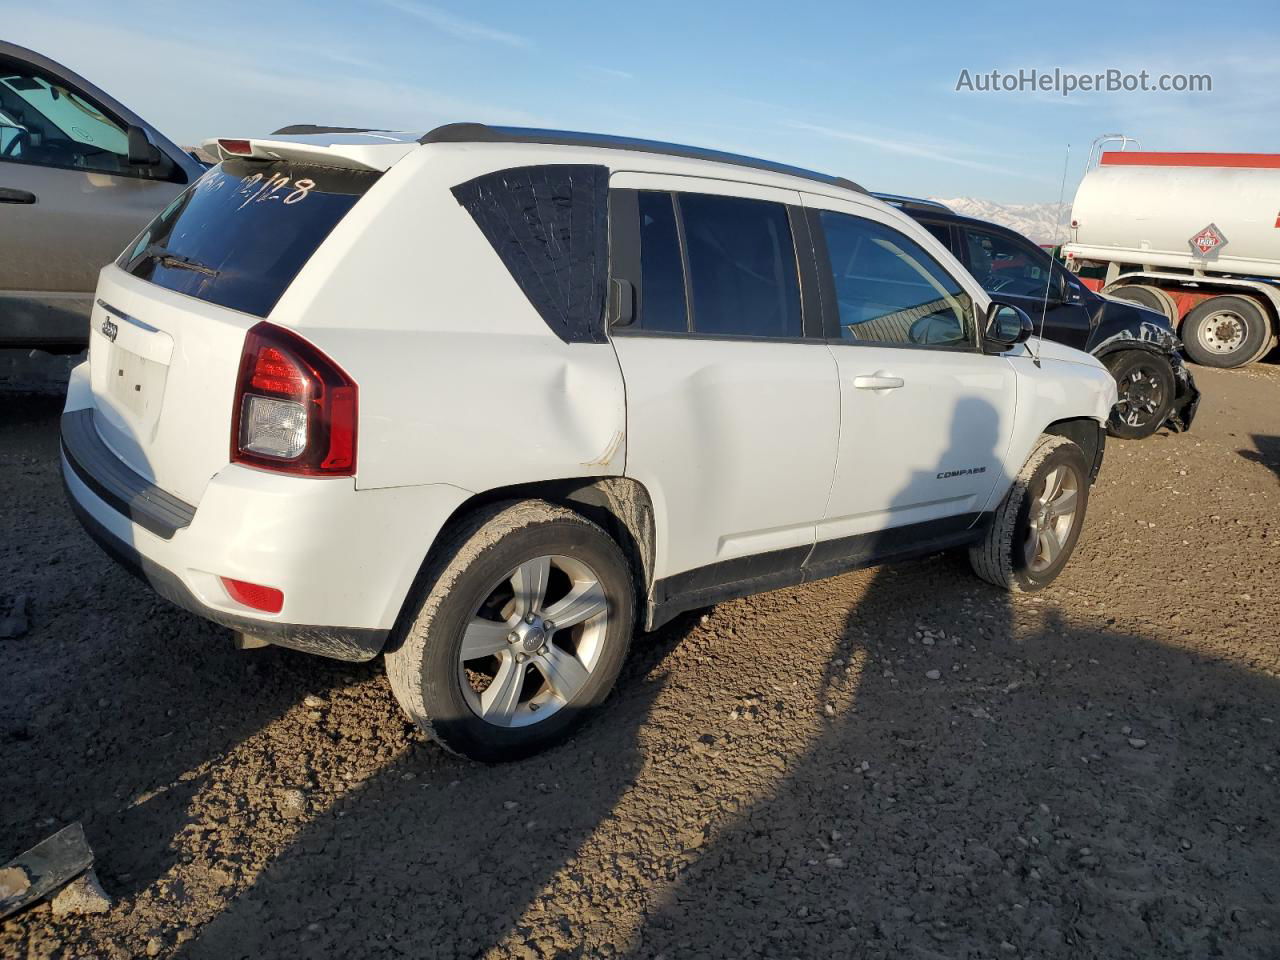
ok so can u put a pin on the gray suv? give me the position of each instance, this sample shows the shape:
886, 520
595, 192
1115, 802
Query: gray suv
80, 176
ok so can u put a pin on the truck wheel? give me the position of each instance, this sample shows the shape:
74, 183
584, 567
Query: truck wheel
520, 632
1036, 526
1225, 332
1147, 296
1145, 387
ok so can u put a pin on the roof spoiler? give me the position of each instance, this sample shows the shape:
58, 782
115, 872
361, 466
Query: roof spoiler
373, 156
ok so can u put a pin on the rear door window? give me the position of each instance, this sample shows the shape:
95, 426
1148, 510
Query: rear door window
662, 305
742, 266
244, 230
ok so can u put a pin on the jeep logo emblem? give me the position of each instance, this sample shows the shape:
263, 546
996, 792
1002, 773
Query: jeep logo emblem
109, 329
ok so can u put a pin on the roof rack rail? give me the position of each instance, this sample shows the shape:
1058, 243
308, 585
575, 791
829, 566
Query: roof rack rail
483, 133
912, 203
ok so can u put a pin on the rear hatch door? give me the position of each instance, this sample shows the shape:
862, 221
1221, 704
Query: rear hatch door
170, 317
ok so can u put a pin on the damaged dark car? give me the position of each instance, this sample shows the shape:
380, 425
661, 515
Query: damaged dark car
1138, 345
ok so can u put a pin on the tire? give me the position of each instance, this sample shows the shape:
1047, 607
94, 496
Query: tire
473, 590
1146, 386
1146, 296
1002, 557
1226, 332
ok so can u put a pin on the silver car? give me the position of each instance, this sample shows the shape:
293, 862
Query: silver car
80, 176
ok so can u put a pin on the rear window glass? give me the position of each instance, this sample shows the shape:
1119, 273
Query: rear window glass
240, 235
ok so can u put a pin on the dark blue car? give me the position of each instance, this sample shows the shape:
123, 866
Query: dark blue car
1136, 344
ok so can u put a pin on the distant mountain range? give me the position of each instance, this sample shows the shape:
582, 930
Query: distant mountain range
1036, 221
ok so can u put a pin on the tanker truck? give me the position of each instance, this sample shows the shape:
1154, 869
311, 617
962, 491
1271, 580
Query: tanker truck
1195, 236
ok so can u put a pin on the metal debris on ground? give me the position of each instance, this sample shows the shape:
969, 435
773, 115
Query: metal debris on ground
44, 868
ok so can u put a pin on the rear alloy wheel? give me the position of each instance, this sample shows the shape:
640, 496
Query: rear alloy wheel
524, 656
522, 632
1145, 390
1226, 332
1035, 528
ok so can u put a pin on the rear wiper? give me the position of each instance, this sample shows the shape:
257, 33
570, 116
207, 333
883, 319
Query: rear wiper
178, 262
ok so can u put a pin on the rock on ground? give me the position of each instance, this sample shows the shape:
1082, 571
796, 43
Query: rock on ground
82, 895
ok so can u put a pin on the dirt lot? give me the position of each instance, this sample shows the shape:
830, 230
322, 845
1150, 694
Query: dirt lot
1094, 772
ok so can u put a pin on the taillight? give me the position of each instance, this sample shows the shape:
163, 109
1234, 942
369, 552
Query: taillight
295, 409
240, 148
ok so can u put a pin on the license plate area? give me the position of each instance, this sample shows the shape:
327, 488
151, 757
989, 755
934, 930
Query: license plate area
129, 362
134, 383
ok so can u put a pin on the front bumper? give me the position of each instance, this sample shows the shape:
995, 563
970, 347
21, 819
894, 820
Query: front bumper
345, 560
1186, 397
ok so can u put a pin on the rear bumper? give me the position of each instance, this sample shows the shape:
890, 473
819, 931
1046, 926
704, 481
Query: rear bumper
344, 559
341, 643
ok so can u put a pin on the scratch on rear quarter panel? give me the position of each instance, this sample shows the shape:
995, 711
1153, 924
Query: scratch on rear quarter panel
609, 452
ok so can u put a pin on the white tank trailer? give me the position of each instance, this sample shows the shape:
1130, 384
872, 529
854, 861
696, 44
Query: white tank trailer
1193, 235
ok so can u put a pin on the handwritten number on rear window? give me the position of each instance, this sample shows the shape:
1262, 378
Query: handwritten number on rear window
255, 189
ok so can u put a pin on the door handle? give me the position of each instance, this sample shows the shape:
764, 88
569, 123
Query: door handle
877, 382
10, 195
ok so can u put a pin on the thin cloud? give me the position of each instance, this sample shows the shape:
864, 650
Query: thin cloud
186, 113
456, 26
909, 149
611, 72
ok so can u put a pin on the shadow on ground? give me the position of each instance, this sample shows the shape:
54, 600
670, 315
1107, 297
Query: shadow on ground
1266, 451
435, 856
1062, 790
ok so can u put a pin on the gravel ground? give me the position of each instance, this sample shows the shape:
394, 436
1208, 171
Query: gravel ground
899, 762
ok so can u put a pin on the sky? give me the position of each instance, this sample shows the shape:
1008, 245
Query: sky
865, 91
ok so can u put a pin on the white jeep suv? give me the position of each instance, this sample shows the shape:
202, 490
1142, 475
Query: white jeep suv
487, 400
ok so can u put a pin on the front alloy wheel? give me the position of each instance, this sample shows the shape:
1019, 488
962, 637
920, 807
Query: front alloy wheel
1145, 389
1051, 518
1034, 530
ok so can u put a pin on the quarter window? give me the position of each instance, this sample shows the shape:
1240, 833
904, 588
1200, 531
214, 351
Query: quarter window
941, 231
889, 290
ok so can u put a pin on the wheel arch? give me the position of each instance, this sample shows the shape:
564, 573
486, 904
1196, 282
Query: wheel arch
1112, 347
1086, 433
620, 505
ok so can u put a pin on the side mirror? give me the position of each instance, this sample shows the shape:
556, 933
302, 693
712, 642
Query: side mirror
142, 152
1059, 292
1007, 326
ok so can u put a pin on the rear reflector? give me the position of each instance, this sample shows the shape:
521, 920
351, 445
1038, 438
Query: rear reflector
266, 599
239, 148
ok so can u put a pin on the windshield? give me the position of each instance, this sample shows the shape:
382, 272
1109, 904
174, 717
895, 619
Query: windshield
244, 230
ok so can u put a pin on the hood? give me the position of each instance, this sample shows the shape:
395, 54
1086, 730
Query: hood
1053, 350
1122, 323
